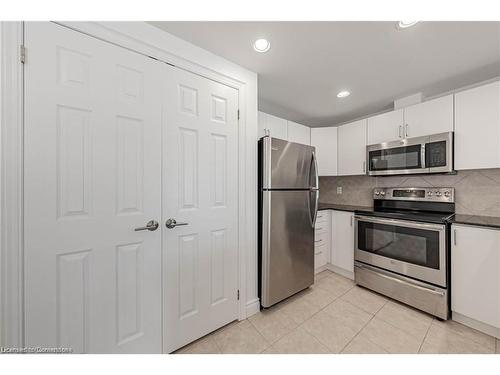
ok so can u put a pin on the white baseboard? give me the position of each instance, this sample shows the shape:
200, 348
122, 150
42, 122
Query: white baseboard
253, 307
475, 324
340, 271
320, 269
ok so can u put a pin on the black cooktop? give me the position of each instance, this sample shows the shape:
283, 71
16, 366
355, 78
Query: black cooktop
421, 216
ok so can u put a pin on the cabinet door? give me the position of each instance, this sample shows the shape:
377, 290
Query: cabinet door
475, 273
434, 116
277, 127
262, 120
385, 127
325, 142
342, 251
352, 148
299, 133
477, 127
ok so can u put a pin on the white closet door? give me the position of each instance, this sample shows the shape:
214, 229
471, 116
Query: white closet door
200, 189
92, 175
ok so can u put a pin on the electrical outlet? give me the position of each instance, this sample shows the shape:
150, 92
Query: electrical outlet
339, 189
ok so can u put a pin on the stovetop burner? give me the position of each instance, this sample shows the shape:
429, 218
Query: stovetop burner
431, 205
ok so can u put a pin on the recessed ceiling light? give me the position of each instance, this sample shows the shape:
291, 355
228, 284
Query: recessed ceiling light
343, 94
406, 24
261, 45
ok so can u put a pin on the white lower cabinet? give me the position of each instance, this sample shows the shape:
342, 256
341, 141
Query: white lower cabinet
342, 250
475, 277
322, 238
334, 242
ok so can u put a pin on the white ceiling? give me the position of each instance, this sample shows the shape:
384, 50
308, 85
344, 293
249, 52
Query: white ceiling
309, 62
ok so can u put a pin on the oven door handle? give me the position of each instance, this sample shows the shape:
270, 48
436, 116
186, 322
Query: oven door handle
404, 282
404, 223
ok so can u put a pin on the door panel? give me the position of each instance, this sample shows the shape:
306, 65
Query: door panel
92, 174
200, 188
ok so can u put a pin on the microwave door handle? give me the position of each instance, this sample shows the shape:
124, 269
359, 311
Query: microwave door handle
422, 155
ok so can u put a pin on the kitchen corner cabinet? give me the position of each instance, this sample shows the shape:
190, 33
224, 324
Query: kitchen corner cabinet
342, 249
475, 274
385, 127
299, 133
277, 127
325, 142
430, 117
352, 148
477, 127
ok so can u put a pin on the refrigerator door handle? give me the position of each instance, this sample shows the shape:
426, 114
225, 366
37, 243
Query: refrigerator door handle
316, 203
316, 174
315, 188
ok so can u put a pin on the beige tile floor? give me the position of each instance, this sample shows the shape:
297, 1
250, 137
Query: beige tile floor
336, 316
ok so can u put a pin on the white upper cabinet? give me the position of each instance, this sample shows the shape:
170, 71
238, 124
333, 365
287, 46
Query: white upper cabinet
299, 133
352, 148
385, 127
277, 127
325, 141
477, 127
475, 274
431, 117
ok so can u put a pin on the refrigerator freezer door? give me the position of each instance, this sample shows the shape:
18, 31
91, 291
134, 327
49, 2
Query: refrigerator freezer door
287, 244
287, 165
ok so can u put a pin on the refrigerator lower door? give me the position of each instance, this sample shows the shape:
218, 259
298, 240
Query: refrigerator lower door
287, 258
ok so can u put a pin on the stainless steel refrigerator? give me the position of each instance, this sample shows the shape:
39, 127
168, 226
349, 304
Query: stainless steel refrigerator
288, 205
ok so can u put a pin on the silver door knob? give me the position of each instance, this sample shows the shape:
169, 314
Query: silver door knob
151, 225
171, 223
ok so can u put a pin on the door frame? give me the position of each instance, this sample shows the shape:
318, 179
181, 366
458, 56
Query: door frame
145, 39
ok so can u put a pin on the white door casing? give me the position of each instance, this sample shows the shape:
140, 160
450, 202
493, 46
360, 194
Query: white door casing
200, 187
92, 175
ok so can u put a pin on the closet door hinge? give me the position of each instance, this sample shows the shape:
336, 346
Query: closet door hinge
238, 295
22, 54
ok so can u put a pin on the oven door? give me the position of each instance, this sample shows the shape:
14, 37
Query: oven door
413, 249
398, 157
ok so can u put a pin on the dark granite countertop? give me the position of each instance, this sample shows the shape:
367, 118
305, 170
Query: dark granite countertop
342, 207
483, 221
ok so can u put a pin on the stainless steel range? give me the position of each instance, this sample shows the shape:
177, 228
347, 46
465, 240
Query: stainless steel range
402, 246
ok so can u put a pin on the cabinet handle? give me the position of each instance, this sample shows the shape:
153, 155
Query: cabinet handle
319, 228
352, 219
399, 130
406, 132
455, 237
364, 167
318, 241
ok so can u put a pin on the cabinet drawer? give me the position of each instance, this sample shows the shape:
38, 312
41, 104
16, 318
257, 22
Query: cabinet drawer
321, 239
322, 227
322, 216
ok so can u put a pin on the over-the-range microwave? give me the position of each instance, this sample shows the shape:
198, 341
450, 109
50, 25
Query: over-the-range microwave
428, 154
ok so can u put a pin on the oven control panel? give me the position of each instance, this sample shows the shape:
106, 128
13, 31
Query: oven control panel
432, 194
